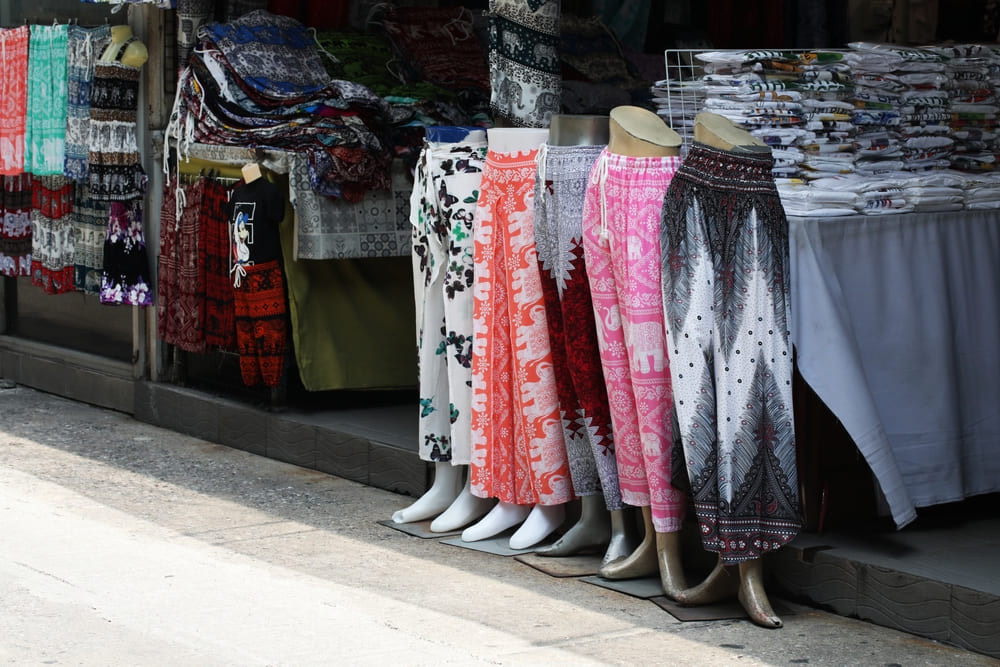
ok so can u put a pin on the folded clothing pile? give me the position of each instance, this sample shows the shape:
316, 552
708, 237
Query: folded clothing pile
259, 82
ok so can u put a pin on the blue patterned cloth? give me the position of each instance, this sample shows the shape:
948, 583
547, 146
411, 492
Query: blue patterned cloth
275, 55
85, 46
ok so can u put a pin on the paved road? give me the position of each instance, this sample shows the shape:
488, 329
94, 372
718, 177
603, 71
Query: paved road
126, 544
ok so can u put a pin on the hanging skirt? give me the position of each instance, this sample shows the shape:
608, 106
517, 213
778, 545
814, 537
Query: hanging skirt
84, 46
523, 54
518, 450
45, 132
583, 398
15, 225
214, 254
52, 241
621, 219
261, 311
442, 205
126, 262
13, 98
90, 223
726, 303
180, 303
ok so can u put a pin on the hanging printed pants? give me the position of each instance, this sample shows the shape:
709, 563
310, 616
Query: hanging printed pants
442, 205
261, 324
518, 450
621, 219
726, 303
583, 398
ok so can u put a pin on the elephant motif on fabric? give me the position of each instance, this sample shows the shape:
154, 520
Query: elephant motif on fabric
546, 56
648, 346
509, 95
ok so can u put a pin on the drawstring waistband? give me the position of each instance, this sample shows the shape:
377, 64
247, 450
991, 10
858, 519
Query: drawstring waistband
602, 181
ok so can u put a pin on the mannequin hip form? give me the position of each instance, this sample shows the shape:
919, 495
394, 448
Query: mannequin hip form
582, 130
134, 53
515, 139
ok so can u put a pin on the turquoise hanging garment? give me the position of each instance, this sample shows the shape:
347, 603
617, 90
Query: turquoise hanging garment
48, 101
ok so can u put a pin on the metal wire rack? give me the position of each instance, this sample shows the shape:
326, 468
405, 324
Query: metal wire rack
681, 94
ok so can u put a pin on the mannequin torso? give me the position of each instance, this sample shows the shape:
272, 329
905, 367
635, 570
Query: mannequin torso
124, 48
718, 132
566, 130
641, 133
515, 139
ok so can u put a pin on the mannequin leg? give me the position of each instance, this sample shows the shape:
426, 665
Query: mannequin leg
745, 581
753, 597
589, 533
464, 510
446, 486
721, 583
668, 553
541, 522
623, 540
640, 563
500, 518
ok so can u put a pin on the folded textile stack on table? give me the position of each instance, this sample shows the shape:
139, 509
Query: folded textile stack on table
373, 59
982, 191
259, 82
903, 113
918, 125
827, 197
792, 101
972, 70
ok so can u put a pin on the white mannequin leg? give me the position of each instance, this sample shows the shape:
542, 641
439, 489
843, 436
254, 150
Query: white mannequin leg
541, 522
446, 486
465, 509
592, 531
499, 519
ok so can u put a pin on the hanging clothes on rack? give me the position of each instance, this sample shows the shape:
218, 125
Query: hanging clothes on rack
52, 262
45, 130
90, 223
15, 225
84, 46
13, 97
180, 305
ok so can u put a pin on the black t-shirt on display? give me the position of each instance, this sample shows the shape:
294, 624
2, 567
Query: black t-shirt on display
255, 212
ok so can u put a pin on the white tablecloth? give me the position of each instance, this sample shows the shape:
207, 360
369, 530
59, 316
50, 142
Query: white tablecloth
896, 325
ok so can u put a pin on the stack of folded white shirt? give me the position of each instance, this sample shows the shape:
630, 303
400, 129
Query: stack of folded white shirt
801, 198
902, 98
939, 190
982, 191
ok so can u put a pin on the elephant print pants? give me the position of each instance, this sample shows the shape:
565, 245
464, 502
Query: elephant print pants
518, 451
563, 172
442, 205
621, 221
726, 302
523, 55
261, 324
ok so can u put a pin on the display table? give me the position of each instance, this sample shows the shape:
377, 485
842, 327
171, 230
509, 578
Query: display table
896, 326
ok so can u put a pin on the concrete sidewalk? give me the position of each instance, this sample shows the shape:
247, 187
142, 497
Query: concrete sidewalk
123, 543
